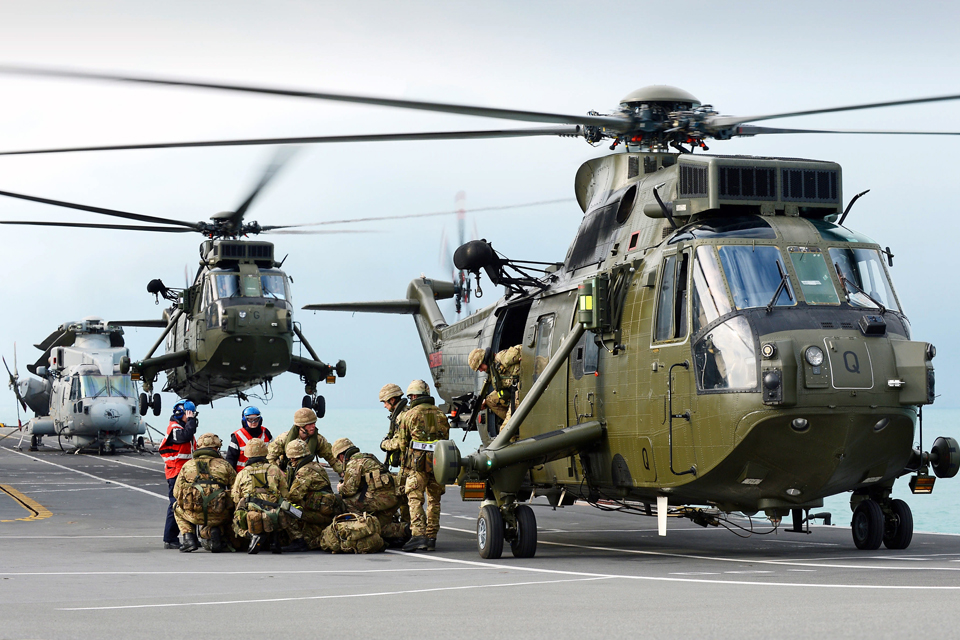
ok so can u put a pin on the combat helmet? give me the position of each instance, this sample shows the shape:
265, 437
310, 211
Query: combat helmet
256, 448
341, 445
390, 391
418, 388
209, 441
296, 449
304, 416
476, 358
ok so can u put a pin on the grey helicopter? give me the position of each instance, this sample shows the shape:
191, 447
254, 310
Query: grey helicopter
80, 394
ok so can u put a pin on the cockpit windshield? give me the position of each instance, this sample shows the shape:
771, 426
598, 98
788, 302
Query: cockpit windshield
755, 274
864, 277
98, 386
273, 285
227, 285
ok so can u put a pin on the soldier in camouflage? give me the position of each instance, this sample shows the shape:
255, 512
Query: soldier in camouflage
504, 372
393, 401
368, 487
420, 427
310, 491
304, 428
202, 492
258, 491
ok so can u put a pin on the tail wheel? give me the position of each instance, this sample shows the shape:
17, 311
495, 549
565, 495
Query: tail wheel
320, 406
524, 545
867, 525
144, 404
899, 526
490, 533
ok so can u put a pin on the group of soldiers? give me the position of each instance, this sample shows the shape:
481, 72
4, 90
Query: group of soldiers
273, 493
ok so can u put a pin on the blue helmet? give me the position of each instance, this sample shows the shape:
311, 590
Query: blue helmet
247, 413
181, 407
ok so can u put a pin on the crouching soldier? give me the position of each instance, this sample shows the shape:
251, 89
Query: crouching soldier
258, 492
311, 494
304, 428
202, 491
368, 487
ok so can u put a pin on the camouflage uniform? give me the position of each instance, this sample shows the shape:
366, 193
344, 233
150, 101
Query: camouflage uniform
317, 443
505, 372
393, 457
423, 422
369, 487
310, 491
202, 490
259, 489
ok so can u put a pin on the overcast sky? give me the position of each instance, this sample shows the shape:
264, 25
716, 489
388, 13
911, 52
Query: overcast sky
742, 57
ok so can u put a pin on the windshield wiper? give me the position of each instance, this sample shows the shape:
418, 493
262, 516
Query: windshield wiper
845, 282
780, 289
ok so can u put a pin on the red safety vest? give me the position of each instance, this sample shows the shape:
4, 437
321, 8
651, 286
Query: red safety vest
243, 437
175, 455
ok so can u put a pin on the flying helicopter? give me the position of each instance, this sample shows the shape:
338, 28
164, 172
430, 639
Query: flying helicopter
232, 328
727, 344
80, 394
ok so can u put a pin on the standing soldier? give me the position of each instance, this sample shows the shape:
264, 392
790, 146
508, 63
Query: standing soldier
421, 425
259, 489
505, 374
393, 401
310, 491
368, 487
250, 427
203, 496
304, 428
175, 450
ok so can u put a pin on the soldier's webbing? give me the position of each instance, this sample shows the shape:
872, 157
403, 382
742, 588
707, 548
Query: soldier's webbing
204, 478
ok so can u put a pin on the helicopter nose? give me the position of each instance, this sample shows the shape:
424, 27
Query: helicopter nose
110, 414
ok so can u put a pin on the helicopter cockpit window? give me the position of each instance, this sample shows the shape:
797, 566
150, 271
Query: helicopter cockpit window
671, 322
726, 358
122, 386
732, 227
710, 300
544, 335
227, 285
835, 233
814, 275
75, 388
273, 285
865, 279
94, 386
754, 274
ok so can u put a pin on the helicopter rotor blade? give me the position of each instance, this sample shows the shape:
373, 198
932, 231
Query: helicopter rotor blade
13, 383
89, 225
613, 122
283, 231
727, 121
750, 130
280, 158
192, 226
569, 131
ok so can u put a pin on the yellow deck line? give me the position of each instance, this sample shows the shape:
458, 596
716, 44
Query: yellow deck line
37, 510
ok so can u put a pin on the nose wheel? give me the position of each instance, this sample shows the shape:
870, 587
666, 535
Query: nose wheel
318, 404
146, 403
493, 529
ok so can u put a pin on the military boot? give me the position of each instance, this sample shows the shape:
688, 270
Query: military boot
416, 543
254, 547
216, 542
431, 544
190, 542
275, 543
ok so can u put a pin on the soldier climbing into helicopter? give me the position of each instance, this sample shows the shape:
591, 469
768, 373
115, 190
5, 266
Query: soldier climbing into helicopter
504, 371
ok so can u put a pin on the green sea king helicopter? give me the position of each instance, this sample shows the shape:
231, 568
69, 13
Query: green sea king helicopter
232, 328
715, 340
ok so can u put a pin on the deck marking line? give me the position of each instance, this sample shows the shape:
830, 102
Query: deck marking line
332, 596
232, 573
37, 510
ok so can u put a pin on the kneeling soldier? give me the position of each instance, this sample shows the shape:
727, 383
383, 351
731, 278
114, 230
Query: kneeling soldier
310, 491
203, 496
258, 492
368, 487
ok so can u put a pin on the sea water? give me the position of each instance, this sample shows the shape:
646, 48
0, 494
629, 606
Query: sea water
937, 512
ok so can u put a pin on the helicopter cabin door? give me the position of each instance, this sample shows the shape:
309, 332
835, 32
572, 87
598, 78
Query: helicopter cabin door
508, 333
673, 378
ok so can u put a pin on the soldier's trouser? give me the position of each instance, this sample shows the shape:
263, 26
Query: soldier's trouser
423, 522
187, 522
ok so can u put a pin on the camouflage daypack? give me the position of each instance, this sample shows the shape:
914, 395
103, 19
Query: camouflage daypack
205, 494
352, 533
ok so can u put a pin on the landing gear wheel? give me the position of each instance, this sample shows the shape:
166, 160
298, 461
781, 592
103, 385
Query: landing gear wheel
524, 545
946, 456
140, 443
155, 405
867, 525
490, 533
34, 443
144, 404
899, 526
307, 402
320, 406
